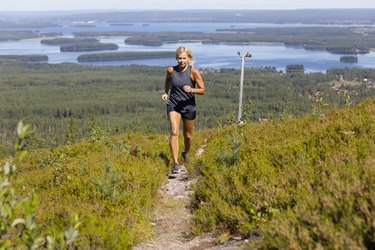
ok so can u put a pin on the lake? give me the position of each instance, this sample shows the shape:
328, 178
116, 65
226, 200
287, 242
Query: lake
206, 56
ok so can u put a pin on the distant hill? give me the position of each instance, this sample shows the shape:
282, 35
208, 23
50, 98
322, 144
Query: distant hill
317, 16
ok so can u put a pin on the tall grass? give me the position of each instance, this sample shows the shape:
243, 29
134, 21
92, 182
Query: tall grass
300, 183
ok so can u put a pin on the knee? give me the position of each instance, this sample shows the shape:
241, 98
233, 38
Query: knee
188, 135
174, 132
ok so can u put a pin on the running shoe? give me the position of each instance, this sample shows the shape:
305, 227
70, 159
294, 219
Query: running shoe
176, 168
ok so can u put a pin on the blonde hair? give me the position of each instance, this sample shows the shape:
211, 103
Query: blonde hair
183, 49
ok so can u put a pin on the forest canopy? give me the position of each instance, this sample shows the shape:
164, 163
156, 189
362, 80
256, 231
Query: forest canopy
60, 98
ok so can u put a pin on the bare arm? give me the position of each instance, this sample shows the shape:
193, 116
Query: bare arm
167, 85
196, 76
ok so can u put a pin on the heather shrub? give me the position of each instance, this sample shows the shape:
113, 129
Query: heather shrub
18, 227
298, 182
338, 213
111, 184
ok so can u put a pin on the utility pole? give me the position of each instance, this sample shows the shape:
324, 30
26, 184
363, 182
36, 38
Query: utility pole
247, 55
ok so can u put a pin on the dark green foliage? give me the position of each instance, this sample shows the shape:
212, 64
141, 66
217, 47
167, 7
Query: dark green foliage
125, 56
351, 59
295, 68
332, 39
136, 40
95, 46
128, 98
68, 40
28, 58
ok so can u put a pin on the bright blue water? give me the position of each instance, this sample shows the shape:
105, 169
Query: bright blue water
206, 56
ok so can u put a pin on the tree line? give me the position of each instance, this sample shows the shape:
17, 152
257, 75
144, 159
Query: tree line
338, 40
127, 98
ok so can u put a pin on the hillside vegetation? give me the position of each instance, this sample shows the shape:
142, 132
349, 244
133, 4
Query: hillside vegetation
295, 183
302, 183
110, 183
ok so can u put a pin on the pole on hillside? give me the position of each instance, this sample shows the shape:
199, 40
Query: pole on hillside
247, 55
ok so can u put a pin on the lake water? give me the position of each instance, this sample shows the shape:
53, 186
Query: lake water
206, 56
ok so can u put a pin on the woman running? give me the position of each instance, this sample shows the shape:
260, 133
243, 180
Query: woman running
182, 82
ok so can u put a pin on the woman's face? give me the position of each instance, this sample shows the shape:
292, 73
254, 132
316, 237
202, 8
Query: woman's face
183, 59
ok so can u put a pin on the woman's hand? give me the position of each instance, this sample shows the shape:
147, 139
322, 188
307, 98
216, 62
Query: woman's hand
164, 97
187, 89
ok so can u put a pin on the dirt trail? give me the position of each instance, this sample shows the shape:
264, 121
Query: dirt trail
172, 219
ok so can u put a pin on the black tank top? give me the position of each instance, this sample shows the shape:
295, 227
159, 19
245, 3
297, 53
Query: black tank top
178, 80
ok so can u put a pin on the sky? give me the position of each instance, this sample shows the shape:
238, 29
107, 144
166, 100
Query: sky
37, 5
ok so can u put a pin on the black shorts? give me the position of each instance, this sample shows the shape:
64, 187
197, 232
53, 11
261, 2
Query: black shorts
187, 112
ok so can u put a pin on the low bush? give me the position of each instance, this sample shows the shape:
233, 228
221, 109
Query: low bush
18, 227
300, 183
111, 184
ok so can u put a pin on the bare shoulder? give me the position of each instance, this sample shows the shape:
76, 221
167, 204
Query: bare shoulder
195, 71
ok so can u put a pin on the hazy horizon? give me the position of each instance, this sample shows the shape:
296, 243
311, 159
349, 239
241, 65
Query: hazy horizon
139, 5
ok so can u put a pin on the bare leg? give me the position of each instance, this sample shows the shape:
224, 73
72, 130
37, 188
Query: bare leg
188, 130
174, 119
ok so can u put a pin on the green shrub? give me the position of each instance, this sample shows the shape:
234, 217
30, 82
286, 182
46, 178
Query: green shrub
300, 182
338, 213
111, 183
18, 227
